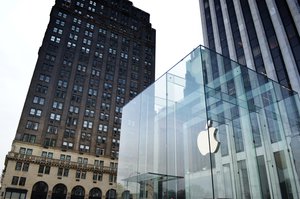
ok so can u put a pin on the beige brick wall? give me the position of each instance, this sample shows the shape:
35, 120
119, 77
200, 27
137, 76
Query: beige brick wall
32, 176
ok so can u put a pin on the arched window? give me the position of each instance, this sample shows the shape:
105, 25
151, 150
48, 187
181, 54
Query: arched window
95, 193
59, 191
111, 194
126, 195
78, 192
39, 190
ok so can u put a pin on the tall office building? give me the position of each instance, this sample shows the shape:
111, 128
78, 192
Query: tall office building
95, 57
262, 34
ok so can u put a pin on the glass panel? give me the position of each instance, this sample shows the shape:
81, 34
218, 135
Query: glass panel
283, 177
263, 177
206, 130
243, 180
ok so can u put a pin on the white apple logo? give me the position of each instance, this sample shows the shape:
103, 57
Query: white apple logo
207, 140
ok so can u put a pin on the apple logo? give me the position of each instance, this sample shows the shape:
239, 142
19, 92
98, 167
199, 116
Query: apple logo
207, 141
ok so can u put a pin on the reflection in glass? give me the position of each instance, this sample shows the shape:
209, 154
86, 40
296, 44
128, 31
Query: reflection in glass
257, 122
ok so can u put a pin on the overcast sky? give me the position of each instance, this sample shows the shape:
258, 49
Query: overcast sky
23, 24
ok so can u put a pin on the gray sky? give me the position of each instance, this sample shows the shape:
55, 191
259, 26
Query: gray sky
23, 24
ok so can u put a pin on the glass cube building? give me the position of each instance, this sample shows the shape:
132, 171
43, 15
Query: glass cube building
211, 128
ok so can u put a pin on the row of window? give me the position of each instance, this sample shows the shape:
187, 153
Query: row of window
20, 166
62, 172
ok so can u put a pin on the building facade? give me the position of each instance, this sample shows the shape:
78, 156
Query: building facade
211, 128
262, 34
96, 56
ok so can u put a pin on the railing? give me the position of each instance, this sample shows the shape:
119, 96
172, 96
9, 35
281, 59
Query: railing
60, 163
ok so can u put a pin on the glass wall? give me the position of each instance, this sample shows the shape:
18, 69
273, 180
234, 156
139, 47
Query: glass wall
209, 129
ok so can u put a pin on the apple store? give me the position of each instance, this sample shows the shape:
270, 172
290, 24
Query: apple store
211, 128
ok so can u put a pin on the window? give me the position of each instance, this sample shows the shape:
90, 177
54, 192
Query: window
121, 91
85, 50
50, 58
84, 148
116, 131
99, 163
43, 169
20, 166
35, 112
99, 151
87, 124
57, 105
62, 84
101, 140
49, 142
102, 127
114, 165
25, 151
88, 33
44, 78
55, 116
89, 113
55, 39
52, 129
91, 26
112, 178
118, 109
15, 180
114, 154
41, 89
106, 96
115, 142
32, 125
85, 136
22, 181
38, 100
117, 120
74, 109
91, 102
69, 133
96, 73
87, 41
29, 138
105, 106
71, 121
63, 15
132, 94
77, 88
75, 29
76, 98
107, 86
67, 145
46, 154
120, 100
97, 176
65, 157
60, 94
71, 44
104, 116
60, 22
92, 92
82, 160
80, 174
63, 172
18, 180
102, 31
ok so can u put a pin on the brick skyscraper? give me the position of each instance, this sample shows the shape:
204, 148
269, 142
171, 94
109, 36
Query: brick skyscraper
95, 57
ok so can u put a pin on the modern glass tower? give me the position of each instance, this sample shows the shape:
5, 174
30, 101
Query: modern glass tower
96, 56
211, 128
262, 34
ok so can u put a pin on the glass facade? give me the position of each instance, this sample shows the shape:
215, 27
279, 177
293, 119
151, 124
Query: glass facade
206, 131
